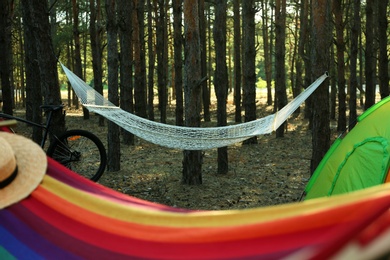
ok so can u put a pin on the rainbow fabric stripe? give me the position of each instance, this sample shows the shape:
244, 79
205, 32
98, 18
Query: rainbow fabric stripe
68, 217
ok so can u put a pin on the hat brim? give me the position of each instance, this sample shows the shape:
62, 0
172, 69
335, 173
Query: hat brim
32, 164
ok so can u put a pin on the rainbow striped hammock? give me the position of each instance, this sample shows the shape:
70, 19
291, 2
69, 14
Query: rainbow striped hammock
69, 217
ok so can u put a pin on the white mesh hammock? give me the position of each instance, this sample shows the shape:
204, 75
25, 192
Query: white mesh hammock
185, 138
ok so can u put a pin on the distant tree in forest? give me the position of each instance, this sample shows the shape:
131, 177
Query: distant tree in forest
237, 60
248, 63
280, 54
113, 134
151, 14
126, 62
96, 35
321, 37
178, 60
267, 50
192, 161
221, 76
140, 106
302, 43
353, 81
370, 57
6, 14
78, 67
383, 42
162, 60
203, 60
340, 45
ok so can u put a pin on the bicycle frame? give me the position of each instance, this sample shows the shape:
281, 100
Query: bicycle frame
45, 127
66, 148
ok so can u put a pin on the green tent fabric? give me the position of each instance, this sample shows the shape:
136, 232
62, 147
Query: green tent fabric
358, 160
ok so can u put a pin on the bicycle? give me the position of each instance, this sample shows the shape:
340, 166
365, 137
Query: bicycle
78, 150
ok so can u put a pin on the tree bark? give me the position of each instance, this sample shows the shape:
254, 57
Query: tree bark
95, 32
320, 60
33, 87
249, 68
162, 59
280, 55
370, 56
178, 54
333, 85
113, 154
37, 15
77, 51
340, 44
355, 31
203, 57
221, 77
383, 46
21, 59
293, 49
151, 60
306, 37
126, 62
6, 14
267, 52
192, 161
139, 59
237, 61
303, 21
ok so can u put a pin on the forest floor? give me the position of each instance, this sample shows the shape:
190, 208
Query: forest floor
274, 171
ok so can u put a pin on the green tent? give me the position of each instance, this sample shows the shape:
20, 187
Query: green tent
358, 160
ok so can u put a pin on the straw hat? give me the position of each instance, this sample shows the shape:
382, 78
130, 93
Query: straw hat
22, 166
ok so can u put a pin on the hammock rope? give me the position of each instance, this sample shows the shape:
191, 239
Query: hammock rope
180, 137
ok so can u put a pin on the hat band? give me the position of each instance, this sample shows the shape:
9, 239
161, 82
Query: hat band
4, 183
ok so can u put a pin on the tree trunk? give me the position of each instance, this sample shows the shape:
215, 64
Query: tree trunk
178, 54
370, 56
221, 77
47, 61
355, 31
267, 53
69, 58
333, 85
249, 67
296, 89
361, 67
320, 59
95, 32
113, 155
280, 55
237, 61
203, 57
126, 62
303, 21
33, 87
340, 44
77, 50
383, 43
6, 14
162, 56
21, 59
139, 59
192, 161
151, 60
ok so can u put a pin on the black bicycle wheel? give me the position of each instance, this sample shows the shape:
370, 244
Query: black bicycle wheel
80, 151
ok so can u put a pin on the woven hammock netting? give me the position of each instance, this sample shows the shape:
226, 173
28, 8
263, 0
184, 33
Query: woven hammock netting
180, 137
